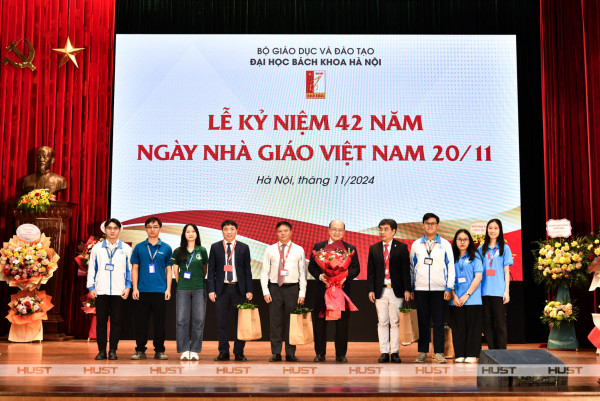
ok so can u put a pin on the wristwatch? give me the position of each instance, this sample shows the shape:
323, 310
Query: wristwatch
468, 294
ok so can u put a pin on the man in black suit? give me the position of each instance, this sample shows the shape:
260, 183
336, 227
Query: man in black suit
336, 233
229, 282
388, 280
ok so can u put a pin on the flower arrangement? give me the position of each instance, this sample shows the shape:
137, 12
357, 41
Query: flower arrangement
560, 262
88, 302
83, 254
591, 250
27, 265
556, 313
26, 311
37, 200
26, 305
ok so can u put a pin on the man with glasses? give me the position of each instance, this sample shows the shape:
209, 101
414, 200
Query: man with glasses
336, 233
151, 277
432, 278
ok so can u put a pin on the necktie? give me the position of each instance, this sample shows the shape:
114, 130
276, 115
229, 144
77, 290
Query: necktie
386, 258
281, 267
229, 275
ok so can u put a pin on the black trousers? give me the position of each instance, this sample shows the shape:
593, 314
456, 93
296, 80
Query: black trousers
225, 304
494, 322
284, 301
108, 305
430, 307
150, 304
466, 330
320, 330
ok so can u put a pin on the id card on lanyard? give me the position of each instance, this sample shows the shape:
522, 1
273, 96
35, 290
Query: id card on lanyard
491, 271
228, 265
283, 272
429, 260
188, 274
110, 266
151, 266
462, 278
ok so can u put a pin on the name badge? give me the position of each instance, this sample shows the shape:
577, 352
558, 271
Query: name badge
429, 261
462, 280
283, 272
228, 268
151, 268
110, 267
490, 272
187, 275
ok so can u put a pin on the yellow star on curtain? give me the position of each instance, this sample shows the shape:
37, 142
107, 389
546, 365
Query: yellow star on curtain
68, 52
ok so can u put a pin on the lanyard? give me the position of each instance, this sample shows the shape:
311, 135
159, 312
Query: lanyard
228, 259
281, 254
150, 253
187, 264
111, 253
492, 258
429, 249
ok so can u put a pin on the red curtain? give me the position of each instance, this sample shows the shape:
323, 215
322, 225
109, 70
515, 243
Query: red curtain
66, 108
570, 37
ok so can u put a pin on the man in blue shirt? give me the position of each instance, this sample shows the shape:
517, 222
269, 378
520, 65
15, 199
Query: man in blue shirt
151, 279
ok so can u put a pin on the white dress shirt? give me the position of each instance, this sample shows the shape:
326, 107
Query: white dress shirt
232, 262
295, 264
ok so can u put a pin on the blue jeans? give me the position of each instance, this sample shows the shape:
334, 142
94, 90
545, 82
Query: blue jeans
194, 300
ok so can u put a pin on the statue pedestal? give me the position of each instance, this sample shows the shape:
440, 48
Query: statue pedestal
53, 223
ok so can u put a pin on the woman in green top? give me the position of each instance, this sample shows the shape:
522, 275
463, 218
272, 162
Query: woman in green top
189, 264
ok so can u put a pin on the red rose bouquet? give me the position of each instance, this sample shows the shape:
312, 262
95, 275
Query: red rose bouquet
334, 262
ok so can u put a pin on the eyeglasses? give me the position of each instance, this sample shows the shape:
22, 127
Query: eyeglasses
336, 230
431, 224
462, 240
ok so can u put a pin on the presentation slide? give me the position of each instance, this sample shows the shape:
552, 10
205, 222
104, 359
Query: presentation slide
311, 128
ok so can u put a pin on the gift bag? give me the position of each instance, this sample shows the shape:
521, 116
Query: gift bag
249, 325
301, 329
408, 327
27, 332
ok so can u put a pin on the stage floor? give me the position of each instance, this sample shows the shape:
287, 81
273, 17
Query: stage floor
68, 369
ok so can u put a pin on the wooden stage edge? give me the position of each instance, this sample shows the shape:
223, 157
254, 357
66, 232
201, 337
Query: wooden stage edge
25, 375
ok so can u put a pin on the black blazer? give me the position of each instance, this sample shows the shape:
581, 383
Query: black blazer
399, 268
216, 275
315, 270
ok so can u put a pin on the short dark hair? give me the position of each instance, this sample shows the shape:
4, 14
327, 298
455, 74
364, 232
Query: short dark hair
152, 220
389, 222
229, 223
427, 216
111, 220
283, 223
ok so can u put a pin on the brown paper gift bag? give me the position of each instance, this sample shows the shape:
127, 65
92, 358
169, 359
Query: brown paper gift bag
301, 329
408, 327
249, 325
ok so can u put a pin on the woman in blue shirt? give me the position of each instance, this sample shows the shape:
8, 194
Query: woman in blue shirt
497, 259
465, 305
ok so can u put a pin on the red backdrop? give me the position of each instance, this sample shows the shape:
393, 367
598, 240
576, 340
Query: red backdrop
68, 109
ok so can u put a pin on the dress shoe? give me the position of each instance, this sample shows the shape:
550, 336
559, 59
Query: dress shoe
384, 358
396, 358
291, 358
112, 355
275, 358
242, 358
101, 355
222, 357
341, 359
319, 358
160, 356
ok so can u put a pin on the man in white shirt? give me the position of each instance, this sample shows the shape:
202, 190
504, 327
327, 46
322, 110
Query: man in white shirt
283, 281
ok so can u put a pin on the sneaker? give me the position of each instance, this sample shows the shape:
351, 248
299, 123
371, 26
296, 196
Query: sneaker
139, 355
194, 356
421, 358
459, 360
161, 356
470, 359
439, 358
185, 356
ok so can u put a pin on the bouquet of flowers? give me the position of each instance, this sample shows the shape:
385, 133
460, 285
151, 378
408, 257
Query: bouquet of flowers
334, 262
26, 312
27, 265
37, 200
560, 263
556, 313
591, 251
83, 254
88, 304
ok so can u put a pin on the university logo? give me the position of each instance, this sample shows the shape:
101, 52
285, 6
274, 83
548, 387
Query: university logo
315, 84
198, 256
